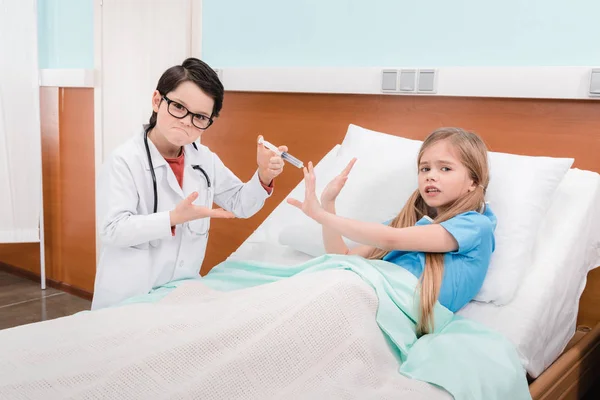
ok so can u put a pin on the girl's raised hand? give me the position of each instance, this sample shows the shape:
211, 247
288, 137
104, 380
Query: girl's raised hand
333, 188
310, 206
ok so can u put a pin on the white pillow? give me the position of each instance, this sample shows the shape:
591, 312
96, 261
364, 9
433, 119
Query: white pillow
363, 187
385, 175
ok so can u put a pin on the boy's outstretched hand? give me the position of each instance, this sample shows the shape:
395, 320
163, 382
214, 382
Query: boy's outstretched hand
186, 211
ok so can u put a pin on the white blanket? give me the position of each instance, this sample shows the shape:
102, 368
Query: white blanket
298, 338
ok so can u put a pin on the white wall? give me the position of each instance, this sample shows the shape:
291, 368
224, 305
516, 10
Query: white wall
432, 33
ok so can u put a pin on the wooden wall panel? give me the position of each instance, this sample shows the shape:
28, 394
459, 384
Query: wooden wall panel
311, 124
589, 305
25, 256
77, 188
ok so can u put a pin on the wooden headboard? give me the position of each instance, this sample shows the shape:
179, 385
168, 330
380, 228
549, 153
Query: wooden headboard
311, 124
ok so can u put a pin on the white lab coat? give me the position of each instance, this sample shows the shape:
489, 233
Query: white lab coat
138, 251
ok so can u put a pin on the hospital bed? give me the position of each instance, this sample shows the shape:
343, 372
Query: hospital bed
540, 320
312, 124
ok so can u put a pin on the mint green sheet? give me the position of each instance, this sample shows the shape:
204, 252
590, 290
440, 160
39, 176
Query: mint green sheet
467, 359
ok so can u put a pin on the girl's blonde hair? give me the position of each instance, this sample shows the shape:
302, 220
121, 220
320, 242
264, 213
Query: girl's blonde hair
472, 153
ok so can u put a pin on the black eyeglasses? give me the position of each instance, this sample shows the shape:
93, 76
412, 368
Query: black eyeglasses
180, 111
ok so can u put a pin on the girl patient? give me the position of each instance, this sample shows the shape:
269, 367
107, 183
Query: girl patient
444, 234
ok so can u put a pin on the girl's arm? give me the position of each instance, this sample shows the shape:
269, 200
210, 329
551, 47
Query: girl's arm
431, 238
428, 238
334, 244
332, 240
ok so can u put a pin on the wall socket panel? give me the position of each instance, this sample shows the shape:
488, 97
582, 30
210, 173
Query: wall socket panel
389, 80
409, 80
427, 81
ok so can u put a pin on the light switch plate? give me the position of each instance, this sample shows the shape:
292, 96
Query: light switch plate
389, 80
408, 80
427, 81
595, 83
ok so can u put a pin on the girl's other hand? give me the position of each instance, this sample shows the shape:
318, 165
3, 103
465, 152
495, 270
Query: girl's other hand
310, 206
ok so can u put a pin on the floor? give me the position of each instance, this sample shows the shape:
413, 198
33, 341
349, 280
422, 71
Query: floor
23, 302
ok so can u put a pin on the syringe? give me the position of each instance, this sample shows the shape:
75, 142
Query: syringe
284, 155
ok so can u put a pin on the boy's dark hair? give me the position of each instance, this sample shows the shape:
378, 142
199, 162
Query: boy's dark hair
196, 71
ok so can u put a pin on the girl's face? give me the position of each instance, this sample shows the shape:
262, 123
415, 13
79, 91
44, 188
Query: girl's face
442, 177
187, 95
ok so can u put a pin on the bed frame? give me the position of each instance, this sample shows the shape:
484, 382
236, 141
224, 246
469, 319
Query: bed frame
311, 124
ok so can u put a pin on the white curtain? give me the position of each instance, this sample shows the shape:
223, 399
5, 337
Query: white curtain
20, 139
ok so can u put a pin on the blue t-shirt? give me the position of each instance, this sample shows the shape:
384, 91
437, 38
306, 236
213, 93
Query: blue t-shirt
465, 268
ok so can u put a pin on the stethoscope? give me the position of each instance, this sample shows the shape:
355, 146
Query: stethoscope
195, 166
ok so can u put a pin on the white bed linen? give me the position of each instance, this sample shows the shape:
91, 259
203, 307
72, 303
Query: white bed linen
540, 320
299, 338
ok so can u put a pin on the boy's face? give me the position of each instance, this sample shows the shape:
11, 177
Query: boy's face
187, 95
